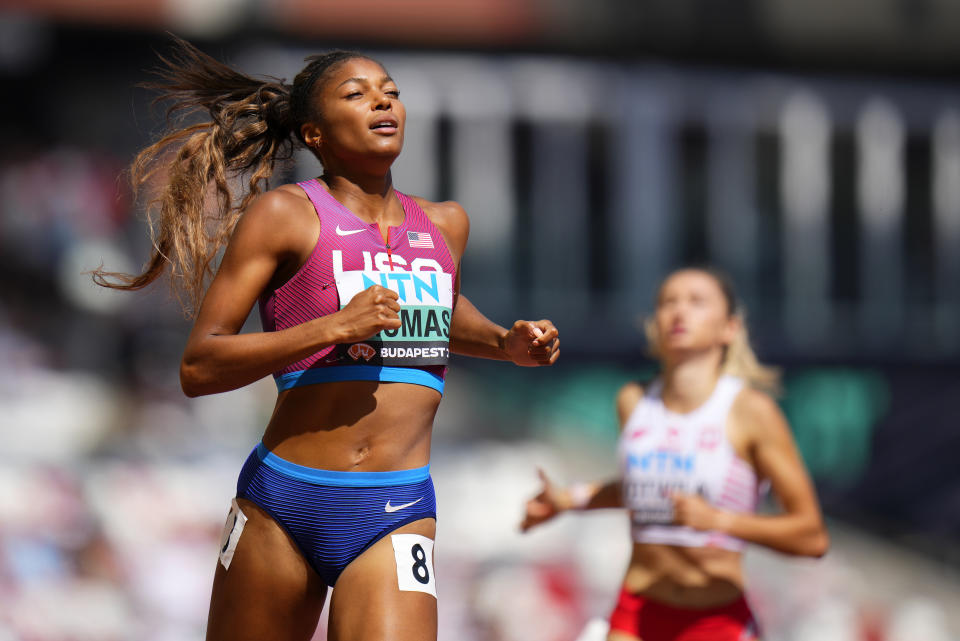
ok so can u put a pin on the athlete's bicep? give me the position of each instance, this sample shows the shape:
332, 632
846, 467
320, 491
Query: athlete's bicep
259, 242
776, 456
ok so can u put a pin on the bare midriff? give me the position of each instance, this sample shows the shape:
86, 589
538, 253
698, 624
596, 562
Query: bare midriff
354, 426
685, 576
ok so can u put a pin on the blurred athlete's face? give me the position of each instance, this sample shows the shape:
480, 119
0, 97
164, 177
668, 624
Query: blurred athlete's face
692, 315
362, 117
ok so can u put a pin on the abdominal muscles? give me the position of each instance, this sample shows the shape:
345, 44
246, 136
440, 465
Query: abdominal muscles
685, 576
358, 426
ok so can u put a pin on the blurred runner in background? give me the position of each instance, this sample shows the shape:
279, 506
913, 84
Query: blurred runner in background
696, 445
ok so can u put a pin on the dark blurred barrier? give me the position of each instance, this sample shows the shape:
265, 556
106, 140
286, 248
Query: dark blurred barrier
915, 35
911, 486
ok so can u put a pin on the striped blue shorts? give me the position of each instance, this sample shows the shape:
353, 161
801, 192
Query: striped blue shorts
334, 516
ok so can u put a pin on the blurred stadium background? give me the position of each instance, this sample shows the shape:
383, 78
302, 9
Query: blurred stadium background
810, 148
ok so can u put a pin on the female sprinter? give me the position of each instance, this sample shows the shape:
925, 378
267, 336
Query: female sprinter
358, 290
695, 445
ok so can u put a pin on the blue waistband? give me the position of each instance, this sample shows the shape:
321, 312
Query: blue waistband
385, 374
341, 479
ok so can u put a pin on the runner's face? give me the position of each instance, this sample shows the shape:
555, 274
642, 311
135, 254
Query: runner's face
692, 313
362, 113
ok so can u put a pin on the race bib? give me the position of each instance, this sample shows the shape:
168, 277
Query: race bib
426, 308
650, 500
650, 478
414, 556
232, 529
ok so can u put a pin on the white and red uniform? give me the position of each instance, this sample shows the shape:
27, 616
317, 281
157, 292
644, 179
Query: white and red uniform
663, 452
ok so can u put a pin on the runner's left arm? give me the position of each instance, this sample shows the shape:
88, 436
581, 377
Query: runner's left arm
526, 343
799, 529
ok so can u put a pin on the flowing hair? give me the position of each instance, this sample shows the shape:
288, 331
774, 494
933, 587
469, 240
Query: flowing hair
739, 359
195, 172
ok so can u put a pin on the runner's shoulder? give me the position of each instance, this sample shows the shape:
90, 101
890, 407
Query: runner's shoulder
757, 413
280, 218
445, 213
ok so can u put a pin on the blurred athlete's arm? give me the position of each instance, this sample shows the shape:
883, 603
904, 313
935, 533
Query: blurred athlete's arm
799, 529
553, 500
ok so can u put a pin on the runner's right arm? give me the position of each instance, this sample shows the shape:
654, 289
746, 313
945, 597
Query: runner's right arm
553, 500
217, 357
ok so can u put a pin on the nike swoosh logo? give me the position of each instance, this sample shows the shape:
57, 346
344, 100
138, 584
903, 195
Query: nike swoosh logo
347, 232
393, 508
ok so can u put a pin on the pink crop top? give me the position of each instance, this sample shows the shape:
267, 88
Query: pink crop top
350, 255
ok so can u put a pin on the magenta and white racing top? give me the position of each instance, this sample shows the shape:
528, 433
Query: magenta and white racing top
350, 256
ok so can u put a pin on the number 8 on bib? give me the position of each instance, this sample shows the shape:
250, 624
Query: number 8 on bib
414, 557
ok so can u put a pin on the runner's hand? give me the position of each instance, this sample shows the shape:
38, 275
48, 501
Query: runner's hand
532, 343
693, 511
369, 312
544, 506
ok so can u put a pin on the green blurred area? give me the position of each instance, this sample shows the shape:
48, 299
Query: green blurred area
833, 412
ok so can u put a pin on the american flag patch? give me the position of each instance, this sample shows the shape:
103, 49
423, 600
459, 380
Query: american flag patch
419, 239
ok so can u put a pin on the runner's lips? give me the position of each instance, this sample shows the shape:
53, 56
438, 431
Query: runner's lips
384, 123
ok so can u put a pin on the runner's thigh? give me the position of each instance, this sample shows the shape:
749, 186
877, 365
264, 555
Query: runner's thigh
367, 602
270, 591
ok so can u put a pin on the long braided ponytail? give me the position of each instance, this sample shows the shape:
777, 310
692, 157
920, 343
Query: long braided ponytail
201, 167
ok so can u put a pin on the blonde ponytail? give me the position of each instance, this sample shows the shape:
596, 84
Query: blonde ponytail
740, 360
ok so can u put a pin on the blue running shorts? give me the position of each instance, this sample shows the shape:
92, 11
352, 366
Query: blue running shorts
334, 516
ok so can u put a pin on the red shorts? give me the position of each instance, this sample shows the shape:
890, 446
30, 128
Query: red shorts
652, 621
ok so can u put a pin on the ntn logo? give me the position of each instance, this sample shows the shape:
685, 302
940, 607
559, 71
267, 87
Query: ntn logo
662, 461
421, 283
